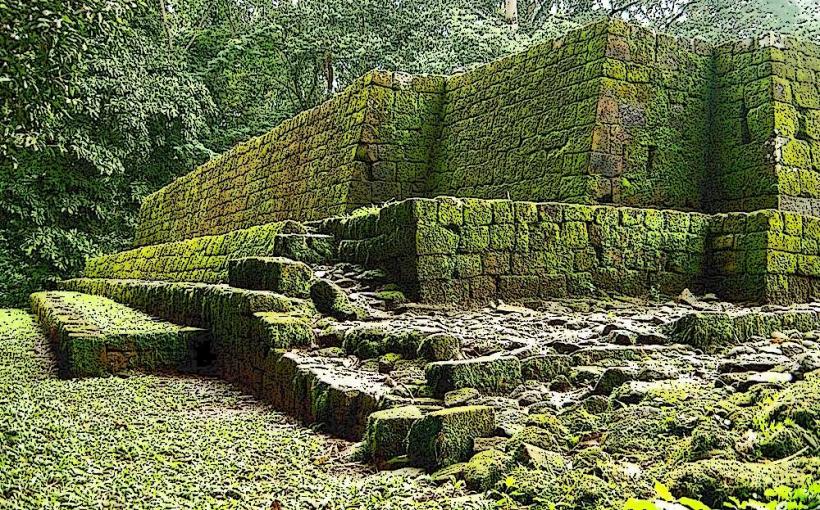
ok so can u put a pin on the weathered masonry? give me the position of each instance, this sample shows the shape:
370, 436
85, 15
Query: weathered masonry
717, 148
612, 161
610, 114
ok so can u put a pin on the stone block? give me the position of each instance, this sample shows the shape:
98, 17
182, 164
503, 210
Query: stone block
446, 437
276, 274
489, 374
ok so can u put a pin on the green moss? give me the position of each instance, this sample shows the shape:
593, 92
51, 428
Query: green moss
95, 336
331, 299
716, 480
440, 347
491, 374
276, 274
284, 330
446, 437
387, 431
485, 469
708, 330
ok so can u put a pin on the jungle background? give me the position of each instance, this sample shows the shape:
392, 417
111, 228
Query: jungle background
104, 101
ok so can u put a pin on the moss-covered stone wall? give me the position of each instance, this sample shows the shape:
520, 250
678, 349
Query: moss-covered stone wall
451, 250
767, 255
650, 143
608, 114
765, 130
365, 145
796, 78
521, 126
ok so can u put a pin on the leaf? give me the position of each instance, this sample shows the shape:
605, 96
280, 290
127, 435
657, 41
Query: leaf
693, 504
663, 492
639, 504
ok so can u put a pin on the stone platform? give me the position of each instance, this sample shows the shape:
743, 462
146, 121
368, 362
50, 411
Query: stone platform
583, 268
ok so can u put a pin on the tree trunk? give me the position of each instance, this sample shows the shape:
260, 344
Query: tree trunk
328, 72
163, 11
511, 13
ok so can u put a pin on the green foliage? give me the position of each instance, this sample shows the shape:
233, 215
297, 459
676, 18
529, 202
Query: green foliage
806, 497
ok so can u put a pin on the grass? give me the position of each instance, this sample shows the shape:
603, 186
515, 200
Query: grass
166, 442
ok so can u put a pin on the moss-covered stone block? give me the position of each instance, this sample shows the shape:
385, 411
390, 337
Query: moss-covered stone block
95, 336
492, 374
331, 299
276, 274
283, 330
446, 437
387, 430
486, 468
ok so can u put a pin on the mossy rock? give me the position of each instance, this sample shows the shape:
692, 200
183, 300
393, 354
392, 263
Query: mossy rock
440, 347
332, 300
283, 330
386, 435
708, 331
446, 437
373, 340
799, 403
563, 489
488, 374
460, 397
486, 468
716, 480
781, 440
709, 440
552, 436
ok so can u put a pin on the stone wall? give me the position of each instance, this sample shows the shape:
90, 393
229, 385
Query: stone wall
765, 138
767, 255
451, 250
520, 127
368, 143
796, 78
202, 259
650, 143
608, 113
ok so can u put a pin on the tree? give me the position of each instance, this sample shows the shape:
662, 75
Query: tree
122, 118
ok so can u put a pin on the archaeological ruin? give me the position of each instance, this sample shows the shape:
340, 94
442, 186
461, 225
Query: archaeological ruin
596, 260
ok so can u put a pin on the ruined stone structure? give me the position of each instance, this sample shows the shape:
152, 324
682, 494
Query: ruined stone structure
612, 161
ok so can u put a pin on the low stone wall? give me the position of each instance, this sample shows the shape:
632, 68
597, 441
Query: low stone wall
768, 256
207, 259
93, 336
450, 250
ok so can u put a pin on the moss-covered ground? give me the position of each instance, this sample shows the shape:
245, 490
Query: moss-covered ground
169, 442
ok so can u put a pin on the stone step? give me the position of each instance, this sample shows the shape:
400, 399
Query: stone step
94, 336
712, 331
192, 304
277, 274
308, 248
314, 389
